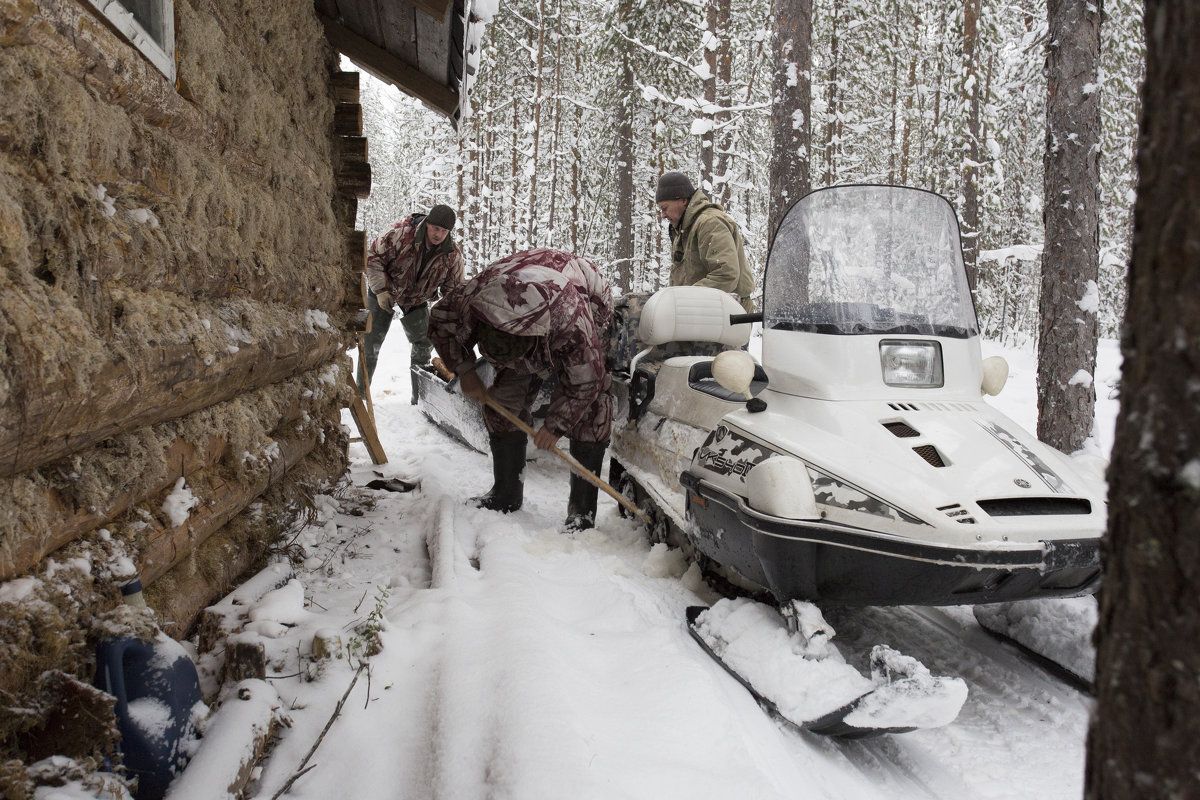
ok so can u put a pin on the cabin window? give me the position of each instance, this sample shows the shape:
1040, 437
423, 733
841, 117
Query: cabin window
149, 25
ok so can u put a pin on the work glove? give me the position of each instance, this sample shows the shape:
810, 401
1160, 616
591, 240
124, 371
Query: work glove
385, 301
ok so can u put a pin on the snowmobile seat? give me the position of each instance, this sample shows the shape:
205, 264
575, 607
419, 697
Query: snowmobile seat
700, 378
689, 314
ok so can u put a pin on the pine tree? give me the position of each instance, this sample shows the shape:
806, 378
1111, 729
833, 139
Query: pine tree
1070, 257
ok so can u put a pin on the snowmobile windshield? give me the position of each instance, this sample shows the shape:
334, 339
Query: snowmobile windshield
869, 260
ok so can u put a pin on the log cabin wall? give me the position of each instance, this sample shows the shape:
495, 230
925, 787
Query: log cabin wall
176, 261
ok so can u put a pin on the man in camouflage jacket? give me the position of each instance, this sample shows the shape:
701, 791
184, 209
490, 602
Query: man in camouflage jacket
414, 262
706, 245
534, 314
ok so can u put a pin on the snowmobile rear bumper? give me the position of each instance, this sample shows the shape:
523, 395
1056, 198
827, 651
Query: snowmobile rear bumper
820, 561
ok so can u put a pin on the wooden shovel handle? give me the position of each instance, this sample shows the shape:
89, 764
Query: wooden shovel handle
576, 467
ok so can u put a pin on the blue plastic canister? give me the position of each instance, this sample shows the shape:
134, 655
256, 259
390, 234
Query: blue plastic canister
156, 687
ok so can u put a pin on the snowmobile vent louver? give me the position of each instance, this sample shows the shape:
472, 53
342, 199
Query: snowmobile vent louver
1035, 506
901, 430
930, 454
958, 514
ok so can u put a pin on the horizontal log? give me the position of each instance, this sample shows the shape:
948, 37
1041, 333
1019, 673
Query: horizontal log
356, 252
89, 50
346, 87
42, 423
354, 179
181, 459
353, 148
347, 119
351, 305
235, 739
228, 615
179, 596
169, 546
346, 210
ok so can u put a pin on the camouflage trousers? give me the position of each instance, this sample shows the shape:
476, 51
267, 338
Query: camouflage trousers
516, 391
416, 328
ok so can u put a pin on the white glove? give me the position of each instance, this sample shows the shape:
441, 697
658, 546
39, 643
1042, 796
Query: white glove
385, 301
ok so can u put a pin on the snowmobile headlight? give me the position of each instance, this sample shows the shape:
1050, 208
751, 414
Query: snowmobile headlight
909, 362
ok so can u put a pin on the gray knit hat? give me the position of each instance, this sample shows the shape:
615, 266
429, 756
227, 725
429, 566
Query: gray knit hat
442, 216
674, 186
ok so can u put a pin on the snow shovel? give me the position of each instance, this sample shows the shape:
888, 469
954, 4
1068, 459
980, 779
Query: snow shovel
576, 467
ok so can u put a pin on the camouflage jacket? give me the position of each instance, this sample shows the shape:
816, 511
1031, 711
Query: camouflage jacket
707, 251
548, 294
394, 264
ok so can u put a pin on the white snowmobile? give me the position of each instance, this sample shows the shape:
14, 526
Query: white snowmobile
858, 464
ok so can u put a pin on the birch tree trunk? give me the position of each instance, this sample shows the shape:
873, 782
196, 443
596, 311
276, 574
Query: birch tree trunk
1145, 735
1071, 254
791, 107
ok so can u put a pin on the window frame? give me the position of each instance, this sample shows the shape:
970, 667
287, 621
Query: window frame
153, 35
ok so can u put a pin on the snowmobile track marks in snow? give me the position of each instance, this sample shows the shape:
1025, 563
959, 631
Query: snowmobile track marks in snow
1044, 663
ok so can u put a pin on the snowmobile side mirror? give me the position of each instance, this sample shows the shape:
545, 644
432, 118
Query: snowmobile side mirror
734, 370
995, 375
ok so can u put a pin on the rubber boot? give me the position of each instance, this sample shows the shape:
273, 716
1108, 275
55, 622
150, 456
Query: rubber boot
581, 505
508, 464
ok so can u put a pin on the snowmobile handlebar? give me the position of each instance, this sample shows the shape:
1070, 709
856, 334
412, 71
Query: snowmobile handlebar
741, 319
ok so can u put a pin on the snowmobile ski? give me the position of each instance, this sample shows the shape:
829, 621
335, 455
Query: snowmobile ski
895, 704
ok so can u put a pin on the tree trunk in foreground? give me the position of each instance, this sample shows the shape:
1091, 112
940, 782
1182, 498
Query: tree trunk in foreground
1144, 740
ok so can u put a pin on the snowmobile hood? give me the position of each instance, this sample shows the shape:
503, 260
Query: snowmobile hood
520, 302
926, 457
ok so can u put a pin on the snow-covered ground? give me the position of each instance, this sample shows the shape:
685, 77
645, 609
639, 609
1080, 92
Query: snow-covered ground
519, 662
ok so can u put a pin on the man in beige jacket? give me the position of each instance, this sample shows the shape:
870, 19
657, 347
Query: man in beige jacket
706, 245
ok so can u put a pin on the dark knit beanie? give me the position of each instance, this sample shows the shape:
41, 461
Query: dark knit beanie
674, 186
442, 216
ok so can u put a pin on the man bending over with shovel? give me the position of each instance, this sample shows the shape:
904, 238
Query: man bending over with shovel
534, 314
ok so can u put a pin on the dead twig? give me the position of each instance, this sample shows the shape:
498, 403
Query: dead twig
293, 779
336, 712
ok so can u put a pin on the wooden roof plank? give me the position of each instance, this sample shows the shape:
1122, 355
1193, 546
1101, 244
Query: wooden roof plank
328, 7
433, 46
390, 68
434, 8
364, 17
398, 25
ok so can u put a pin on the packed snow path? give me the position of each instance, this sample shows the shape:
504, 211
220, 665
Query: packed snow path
561, 665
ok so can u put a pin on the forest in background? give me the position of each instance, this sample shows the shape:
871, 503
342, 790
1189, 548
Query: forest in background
909, 92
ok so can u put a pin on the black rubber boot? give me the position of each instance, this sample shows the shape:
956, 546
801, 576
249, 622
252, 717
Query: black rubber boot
581, 506
508, 463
